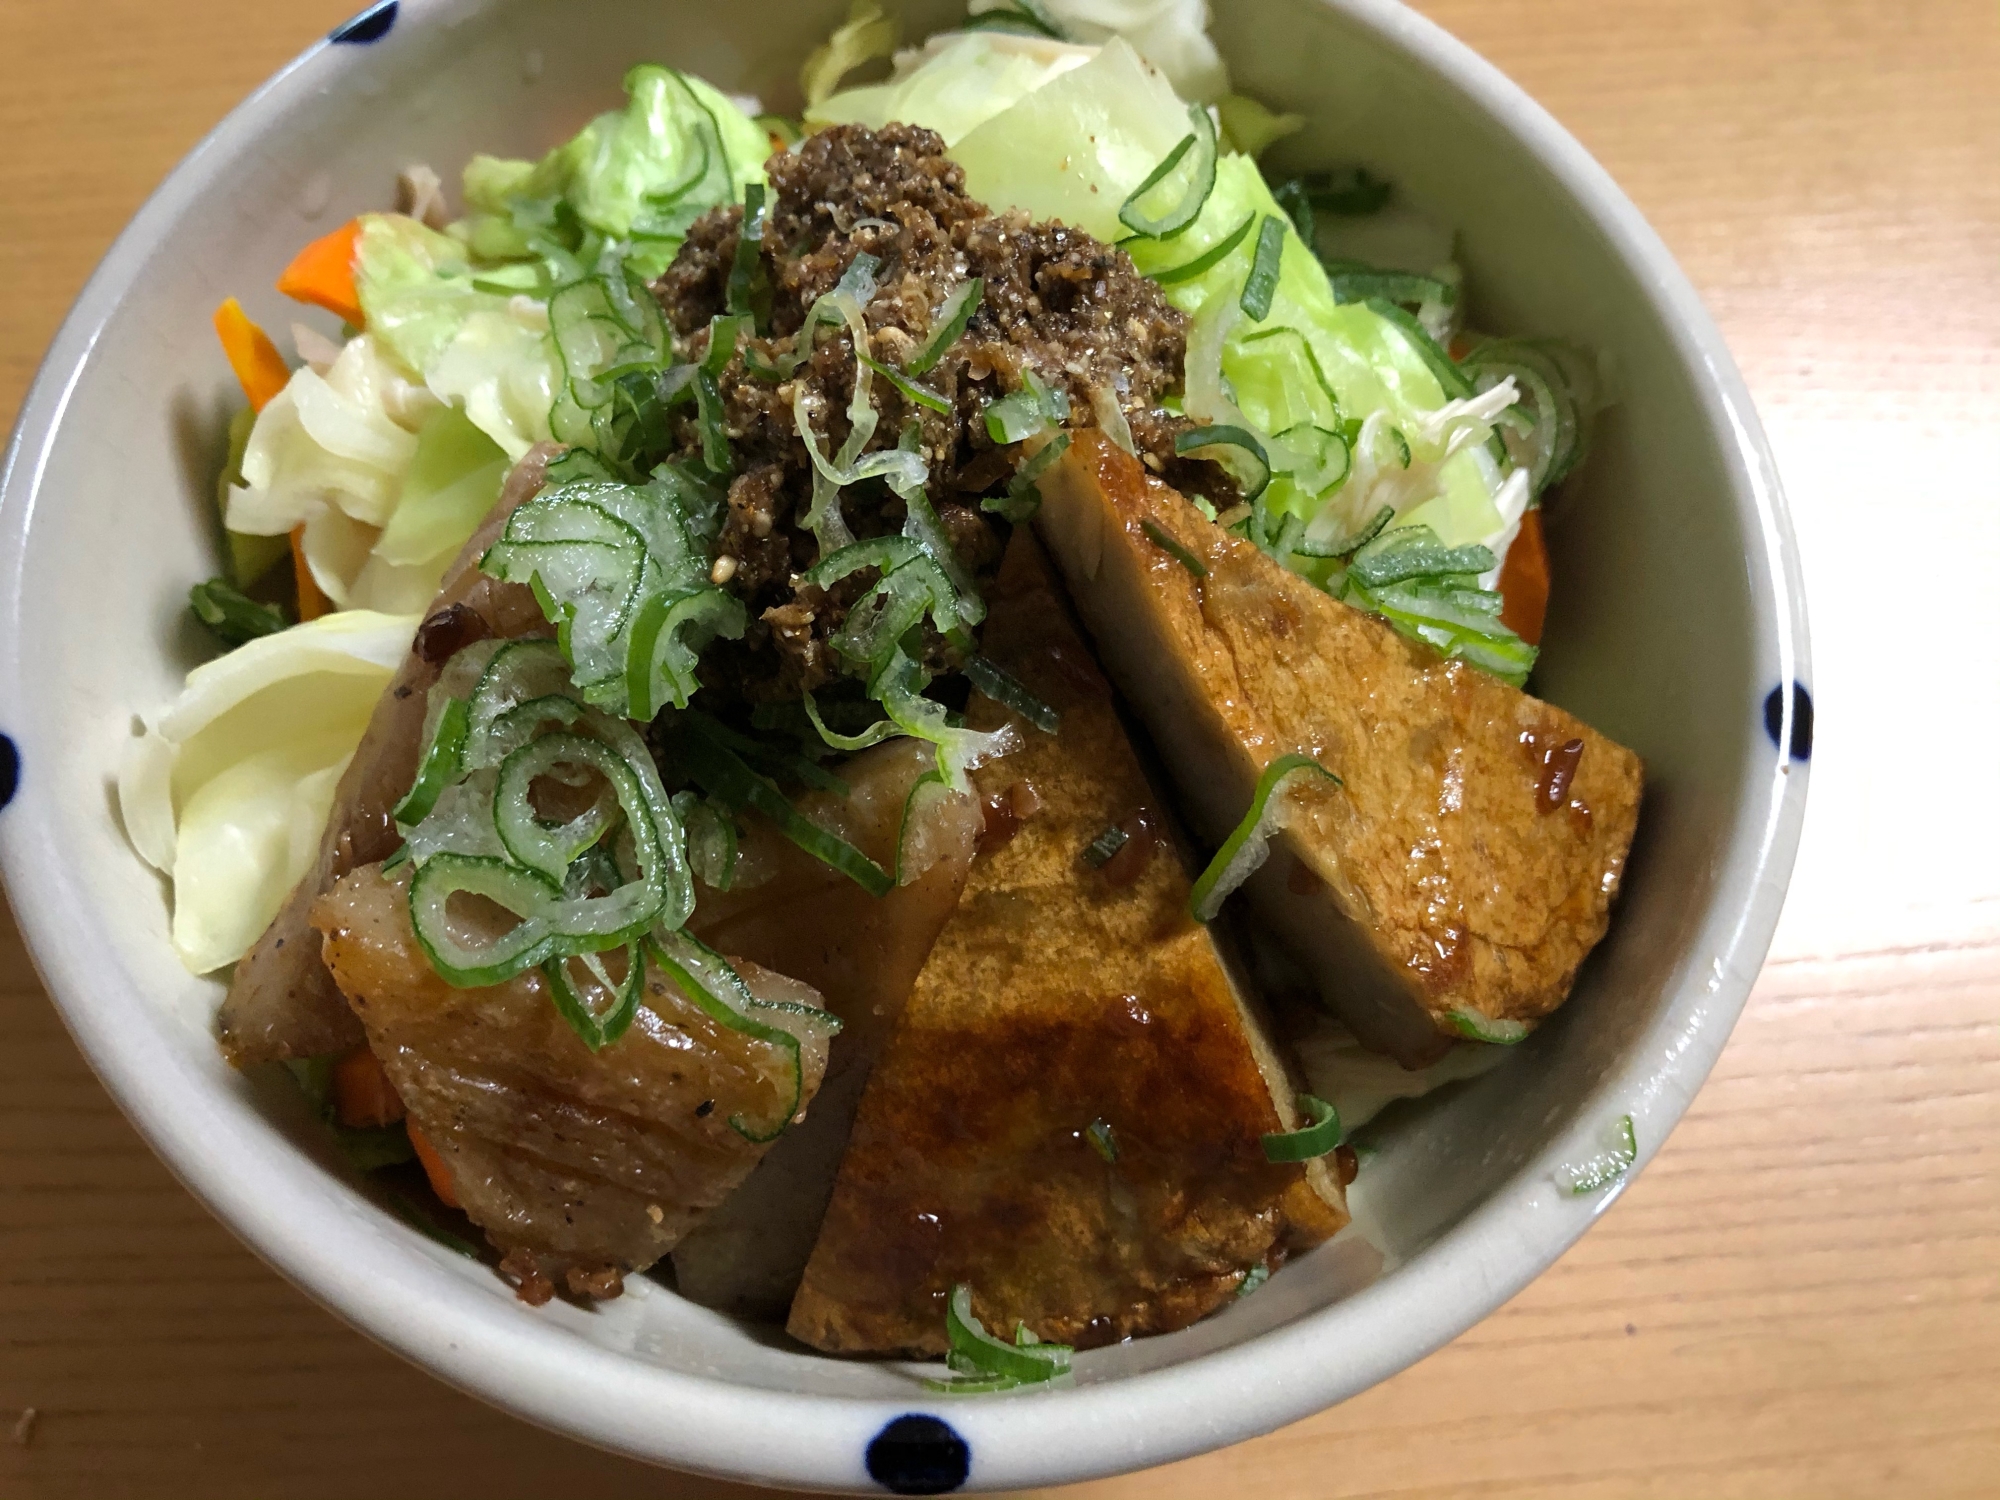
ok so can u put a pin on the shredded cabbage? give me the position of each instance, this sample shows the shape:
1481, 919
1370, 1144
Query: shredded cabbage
634, 178
1076, 147
342, 454
954, 83
228, 789
1172, 35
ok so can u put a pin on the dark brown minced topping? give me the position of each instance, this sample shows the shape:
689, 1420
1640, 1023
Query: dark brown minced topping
1056, 301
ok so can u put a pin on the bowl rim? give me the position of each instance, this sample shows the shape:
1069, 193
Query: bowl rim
539, 1372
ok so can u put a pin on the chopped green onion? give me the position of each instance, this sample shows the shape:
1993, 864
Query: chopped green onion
1166, 542
1249, 843
1033, 409
1415, 552
232, 617
711, 840
1255, 462
874, 734
749, 290
1548, 375
1354, 282
715, 452
1450, 378
1319, 459
918, 394
991, 1363
1105, 846
723, 774
1007, 690
1209, 259
1347, 546
1621, 1150
1174, 218
1309, 1141
1262, 283
599, 1032
1102, 1141
1023, 497
712, 983
443, 763
922, 526
1253, 1278
952, 318
1475, 1027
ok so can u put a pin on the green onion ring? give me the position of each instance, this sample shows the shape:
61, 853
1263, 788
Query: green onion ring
1200, 184
1226, 436
1248, 843
1309, 1141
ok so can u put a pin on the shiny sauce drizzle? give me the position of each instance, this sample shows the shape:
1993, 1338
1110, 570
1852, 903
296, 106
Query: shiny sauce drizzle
1142, 839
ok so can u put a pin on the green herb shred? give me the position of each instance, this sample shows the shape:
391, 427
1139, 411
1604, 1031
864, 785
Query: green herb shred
1309, 1141
1167, 543
1262, 283
231, 616
1105, 846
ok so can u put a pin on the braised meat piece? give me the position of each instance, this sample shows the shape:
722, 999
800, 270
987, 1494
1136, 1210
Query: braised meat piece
579, 1165
800, 916
282, 1003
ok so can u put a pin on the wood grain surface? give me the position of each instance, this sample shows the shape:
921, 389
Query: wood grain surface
1800, 1298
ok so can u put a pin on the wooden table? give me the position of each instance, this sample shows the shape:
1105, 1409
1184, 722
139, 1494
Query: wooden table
1800, 1298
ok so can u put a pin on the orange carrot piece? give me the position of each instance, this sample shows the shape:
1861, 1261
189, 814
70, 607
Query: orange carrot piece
260, 368
1524, 581
363, 1097
433, 1164
323, 274
312, 603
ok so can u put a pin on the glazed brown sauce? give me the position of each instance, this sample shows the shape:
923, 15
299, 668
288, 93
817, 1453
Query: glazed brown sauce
1004, 813
1554, 765
1142, 841
448, 632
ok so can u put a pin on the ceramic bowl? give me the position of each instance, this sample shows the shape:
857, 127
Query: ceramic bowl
1678, 628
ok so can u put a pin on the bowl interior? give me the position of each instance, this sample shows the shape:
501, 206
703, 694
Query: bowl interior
1675, 614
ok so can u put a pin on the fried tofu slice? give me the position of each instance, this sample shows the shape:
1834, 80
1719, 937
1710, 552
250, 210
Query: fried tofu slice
579, 1165
1454, 882
797, 915
1070, 1115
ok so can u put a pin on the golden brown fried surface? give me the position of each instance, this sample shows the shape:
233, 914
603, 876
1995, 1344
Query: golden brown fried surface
800, 916
1470, 860
569, 1160
1061, 996
282, 1002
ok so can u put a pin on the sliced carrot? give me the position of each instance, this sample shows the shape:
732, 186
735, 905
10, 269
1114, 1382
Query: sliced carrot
1524, 581
260, 368
323, 274
312, 603
433, 1164
363, 1097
